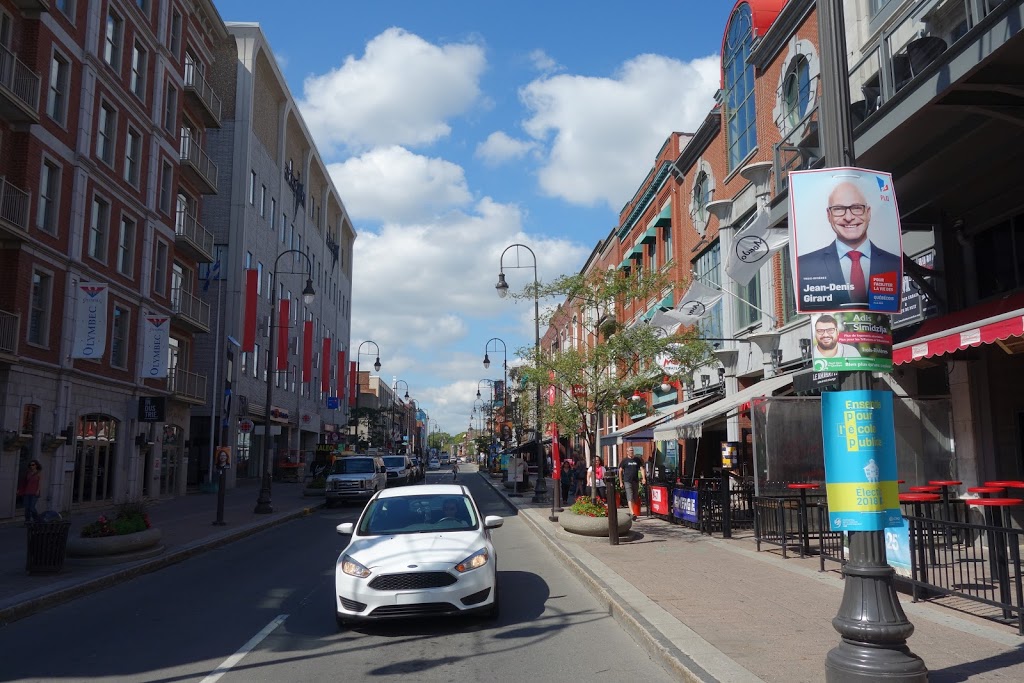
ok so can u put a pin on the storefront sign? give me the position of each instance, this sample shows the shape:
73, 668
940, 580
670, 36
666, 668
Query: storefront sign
152, 409
245, 426
810, 381
684, 505
860, 460
730, 454
845, 241
659, 500
897, 549
848, 342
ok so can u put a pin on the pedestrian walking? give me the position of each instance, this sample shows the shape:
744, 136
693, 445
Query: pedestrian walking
580, 477
631, 475
29, 489
455, 470
565, 479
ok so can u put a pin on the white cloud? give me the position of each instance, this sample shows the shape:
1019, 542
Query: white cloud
543, 62
499, 147
282, 60
401, 91
392, 184
603, 133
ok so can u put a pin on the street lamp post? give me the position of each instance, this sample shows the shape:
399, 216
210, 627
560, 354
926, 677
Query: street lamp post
263, 502
376, 367
504, 375
394, 402
540, 490
490, 410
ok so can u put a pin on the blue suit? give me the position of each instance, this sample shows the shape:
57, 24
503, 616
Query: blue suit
820, 275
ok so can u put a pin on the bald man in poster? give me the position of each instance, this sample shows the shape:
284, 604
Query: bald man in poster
838, 276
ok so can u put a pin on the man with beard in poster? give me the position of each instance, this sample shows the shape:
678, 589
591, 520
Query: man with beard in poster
826, 340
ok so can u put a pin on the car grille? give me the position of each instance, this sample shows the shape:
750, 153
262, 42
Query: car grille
392, 475
352, 605
412, 581
342, 485
414, 610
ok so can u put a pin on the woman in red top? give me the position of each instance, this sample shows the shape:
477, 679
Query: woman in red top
29, 490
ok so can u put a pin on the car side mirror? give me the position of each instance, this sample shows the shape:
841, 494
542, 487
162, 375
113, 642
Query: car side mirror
490, 521
345, 529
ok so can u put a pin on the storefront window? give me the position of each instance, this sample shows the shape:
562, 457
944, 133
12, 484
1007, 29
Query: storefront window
171, 458
95, 459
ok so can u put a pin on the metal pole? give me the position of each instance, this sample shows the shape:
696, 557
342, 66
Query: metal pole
213, 391
263, 502
872, 623
540, 490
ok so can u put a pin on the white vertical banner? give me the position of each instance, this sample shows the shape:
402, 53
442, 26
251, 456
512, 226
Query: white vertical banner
754, 246
154, 346
90, 321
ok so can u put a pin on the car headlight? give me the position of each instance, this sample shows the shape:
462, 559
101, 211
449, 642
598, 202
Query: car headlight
353, 568
366, 483
474, 561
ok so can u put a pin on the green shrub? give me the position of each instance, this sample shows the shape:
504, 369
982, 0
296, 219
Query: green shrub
129, 518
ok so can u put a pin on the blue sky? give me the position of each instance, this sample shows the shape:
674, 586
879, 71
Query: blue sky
455, 129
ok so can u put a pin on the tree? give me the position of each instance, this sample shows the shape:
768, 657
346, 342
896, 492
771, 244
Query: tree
611, 361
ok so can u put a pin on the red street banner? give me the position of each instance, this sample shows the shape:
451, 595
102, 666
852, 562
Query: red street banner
325, 377
353, 383
282, 336
249, 323
307, 350
556, 456
341, 377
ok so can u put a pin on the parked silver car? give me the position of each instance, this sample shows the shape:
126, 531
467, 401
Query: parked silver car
355, 477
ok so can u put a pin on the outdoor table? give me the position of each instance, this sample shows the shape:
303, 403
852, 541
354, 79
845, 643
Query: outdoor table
1007, 484
917, 499
805, 535
986, 491
997, 542
946, 484
925, 489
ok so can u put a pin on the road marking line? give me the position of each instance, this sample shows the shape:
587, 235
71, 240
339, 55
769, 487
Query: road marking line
234, 659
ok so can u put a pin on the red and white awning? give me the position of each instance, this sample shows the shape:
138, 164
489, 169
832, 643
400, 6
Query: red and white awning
988, 323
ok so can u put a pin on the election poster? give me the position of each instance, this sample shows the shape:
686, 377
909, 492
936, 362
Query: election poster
851, 342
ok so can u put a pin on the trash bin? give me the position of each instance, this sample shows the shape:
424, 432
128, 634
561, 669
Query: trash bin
47, 546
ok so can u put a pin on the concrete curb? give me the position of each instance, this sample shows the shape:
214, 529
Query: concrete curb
52, 599
652, 638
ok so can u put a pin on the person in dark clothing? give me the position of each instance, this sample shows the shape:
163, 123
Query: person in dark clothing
631, 475
580, 477
566, 476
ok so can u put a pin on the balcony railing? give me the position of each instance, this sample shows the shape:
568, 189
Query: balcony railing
9, 333
187, 386
21, 84
196, 85
798, 151
191, 234
190, 309
13, 208
194, 159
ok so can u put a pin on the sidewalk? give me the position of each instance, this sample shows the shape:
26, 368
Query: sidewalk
717, 610
186, 526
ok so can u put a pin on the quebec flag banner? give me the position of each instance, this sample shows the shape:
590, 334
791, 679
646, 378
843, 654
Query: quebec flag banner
154, 346
90, 339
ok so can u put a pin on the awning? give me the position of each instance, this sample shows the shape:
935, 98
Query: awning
664, 218
636, 252
641, 430
626, 264
649, 235
689, 426
993, 322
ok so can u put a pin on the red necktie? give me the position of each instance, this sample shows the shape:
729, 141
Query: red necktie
859, 293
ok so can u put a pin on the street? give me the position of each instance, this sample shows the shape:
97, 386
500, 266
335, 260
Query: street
260, 609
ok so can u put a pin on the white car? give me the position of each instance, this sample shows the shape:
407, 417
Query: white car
420, 551
434, 463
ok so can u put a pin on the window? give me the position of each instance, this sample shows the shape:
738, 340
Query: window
256, 355
174, 39
263, 201
796, 90
49, 196
56, 97
39, 314
748, 302
171, 109
160, 269
741, 128
126, 247
284, 227
259, 278
132, 156
119, 338
98, 224
112, 40
999, 257
666, 240
708, 269
166, 182
252, 188
106, 125
66, 7
701, 198
652, 255
273, 214
143, 5
248, 260
138, 78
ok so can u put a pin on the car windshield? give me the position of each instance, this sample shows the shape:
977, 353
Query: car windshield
352, 466
395, 461
418, 514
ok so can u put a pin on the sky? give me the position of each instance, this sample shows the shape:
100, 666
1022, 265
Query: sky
453, 130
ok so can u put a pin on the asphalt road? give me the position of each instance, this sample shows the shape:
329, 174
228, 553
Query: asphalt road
261, 609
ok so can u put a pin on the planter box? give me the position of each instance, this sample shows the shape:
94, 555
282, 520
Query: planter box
593, 526
109, 546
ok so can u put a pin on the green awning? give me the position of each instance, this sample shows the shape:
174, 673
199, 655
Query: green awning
668, 302
636, 252
664, 218
650, 314
650, 235
626, 264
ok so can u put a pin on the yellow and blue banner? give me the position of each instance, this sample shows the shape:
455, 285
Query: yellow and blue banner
860, 460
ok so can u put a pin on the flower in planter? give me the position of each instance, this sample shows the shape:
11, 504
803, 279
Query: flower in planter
129, 518
588, 508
